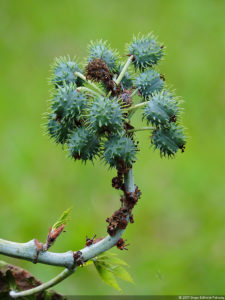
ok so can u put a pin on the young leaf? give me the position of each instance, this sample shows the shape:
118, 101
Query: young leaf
64, 218
106, 275
109, 266
122, 273
113, 259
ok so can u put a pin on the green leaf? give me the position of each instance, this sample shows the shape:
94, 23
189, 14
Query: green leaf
64, 218
109, 266
122, 273
107, 276
113, 259
105, 265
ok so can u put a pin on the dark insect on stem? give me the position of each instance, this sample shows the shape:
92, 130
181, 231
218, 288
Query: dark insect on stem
117, 221
162, 77
182, 147
89, 241
131, 199
173, 119
78, 258
117, 182
121, 244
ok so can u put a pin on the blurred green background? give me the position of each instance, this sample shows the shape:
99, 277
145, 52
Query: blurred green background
177, 240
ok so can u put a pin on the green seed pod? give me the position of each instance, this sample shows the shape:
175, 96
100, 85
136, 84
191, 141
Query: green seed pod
149, 82
83, 145
64, 69
146, 51
58, 131
161, 109
168, 140
68, 103
120, 151
105, 115
100, 49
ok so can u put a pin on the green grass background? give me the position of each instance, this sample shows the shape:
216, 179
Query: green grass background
177, 240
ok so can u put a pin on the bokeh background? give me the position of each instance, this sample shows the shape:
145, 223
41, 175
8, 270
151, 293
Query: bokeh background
177, 240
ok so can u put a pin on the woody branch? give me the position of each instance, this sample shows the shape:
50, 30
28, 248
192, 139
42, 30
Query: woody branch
29, 251
32, 250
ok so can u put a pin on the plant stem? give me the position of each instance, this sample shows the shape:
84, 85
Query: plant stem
140, 129
120, 77
109, 93
78, 74
134, 92
109, 241
60, 277
139, 105
129, 181
85, 89
28, 251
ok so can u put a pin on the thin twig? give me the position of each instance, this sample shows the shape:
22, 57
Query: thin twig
85, 89
120, 77
139, 105
140, 129
60, 277
29, 251
134, 92
78, 74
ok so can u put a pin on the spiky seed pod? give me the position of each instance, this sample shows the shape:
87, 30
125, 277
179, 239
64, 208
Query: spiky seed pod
57, 131
83, 145
68, 103
105, 115
146, 51
149, 82
168, 140
162, 109
64, 69
100, 49
120, 151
